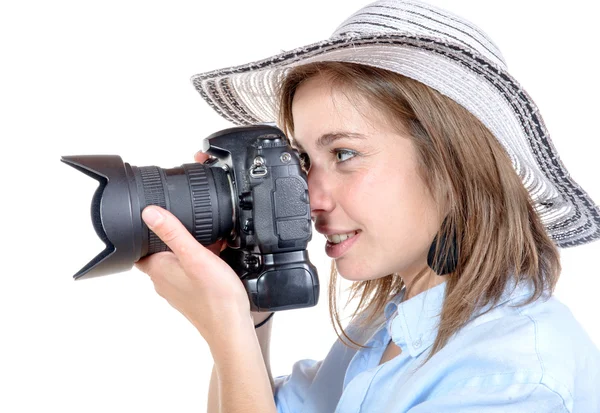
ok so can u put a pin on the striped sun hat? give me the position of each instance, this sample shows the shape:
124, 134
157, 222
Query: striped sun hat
449, 54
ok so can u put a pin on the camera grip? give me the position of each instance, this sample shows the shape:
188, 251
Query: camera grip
275, 282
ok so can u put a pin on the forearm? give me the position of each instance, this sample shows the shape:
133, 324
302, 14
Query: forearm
241, 380
213, 392
263, 334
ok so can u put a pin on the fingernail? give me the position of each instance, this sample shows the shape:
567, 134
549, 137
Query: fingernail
152, 217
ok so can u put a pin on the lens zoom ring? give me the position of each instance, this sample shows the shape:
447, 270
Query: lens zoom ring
154, 194
201, 203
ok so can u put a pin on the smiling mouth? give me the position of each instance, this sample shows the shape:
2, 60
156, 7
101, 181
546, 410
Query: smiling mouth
337, 238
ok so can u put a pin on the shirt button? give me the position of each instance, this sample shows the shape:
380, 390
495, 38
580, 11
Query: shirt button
417, 343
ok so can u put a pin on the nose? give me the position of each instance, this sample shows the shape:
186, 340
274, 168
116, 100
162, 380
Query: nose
320, 192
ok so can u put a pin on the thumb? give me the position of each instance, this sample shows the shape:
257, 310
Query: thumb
173, 233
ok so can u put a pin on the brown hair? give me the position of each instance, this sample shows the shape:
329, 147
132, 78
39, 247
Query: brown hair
499, 235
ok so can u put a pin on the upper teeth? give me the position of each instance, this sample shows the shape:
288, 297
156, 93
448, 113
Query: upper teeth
337, 238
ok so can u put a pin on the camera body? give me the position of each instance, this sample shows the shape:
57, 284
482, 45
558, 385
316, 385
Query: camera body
252, 193
272, 222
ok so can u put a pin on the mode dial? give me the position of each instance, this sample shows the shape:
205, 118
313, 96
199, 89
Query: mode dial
272, 141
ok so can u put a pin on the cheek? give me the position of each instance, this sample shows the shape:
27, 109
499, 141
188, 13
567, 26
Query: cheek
394, 207
372, 200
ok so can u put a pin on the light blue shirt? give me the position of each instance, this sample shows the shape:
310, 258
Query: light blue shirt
535, 358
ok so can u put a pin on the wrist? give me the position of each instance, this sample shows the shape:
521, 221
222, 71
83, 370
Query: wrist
226, 328
234, 342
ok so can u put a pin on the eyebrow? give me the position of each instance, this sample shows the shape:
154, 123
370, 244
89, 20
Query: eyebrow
328, 138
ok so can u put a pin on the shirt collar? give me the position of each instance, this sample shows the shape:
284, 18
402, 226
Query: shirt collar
413, 324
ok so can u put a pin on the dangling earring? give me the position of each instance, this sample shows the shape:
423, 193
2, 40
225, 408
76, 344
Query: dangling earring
443, 267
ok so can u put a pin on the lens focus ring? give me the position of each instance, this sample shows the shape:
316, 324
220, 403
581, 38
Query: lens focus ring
154, 194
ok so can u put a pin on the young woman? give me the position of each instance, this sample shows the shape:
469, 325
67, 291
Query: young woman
433, 177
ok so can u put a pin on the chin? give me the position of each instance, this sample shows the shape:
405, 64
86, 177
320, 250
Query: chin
354, 273
352, 277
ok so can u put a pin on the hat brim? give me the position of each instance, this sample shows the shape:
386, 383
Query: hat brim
247, 94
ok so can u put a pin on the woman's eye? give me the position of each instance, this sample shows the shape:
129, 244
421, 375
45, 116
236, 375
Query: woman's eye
342, 155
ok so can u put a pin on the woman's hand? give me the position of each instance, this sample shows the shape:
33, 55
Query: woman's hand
221, 245
194, 280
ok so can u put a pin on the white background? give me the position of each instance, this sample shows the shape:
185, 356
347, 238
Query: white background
112, 77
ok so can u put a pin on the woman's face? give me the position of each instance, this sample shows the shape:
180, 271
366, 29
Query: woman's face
363, 177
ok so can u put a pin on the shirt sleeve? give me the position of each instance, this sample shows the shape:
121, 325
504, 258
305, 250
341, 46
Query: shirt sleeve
290, 391
517, 398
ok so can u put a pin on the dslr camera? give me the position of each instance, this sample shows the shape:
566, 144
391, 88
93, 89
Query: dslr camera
252, 193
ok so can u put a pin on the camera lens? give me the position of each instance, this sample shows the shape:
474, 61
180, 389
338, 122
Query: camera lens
199, 196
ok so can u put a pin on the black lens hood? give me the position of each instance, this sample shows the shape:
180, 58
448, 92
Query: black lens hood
115, 213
